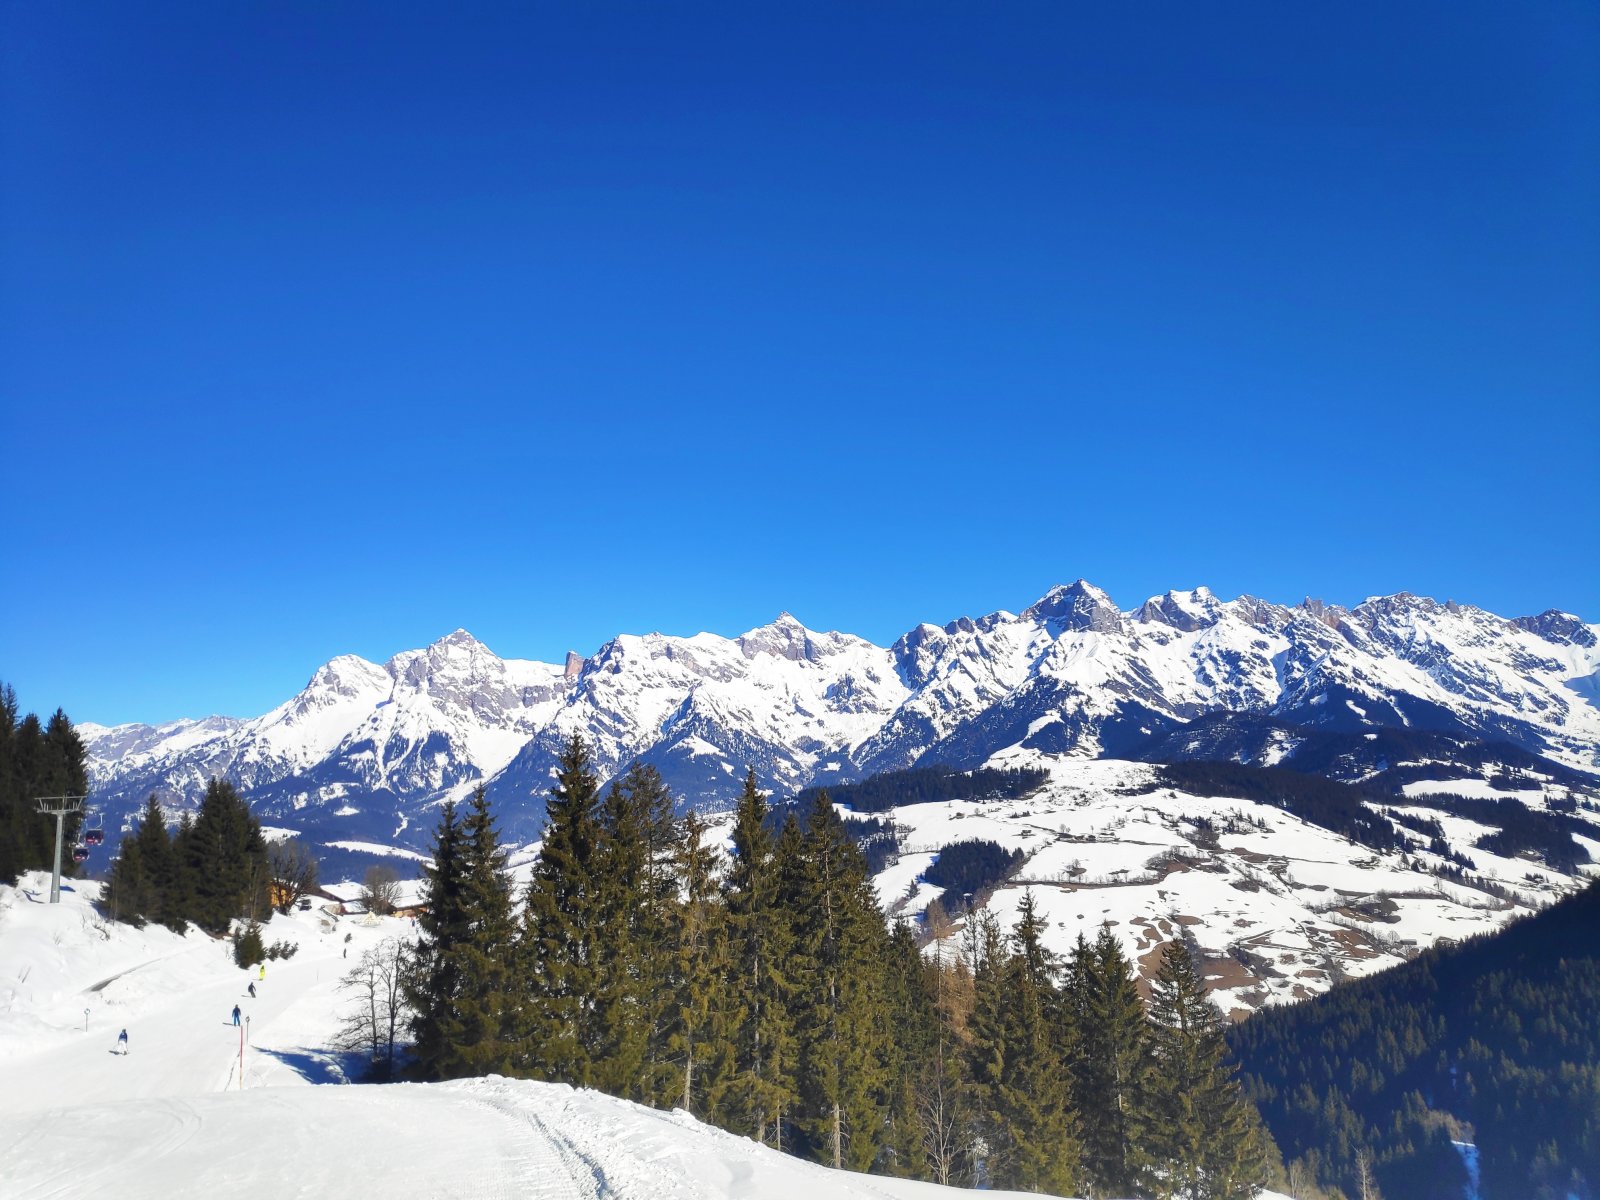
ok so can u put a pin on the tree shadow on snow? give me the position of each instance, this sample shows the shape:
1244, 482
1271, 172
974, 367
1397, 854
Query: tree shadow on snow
319, 1066
41, 895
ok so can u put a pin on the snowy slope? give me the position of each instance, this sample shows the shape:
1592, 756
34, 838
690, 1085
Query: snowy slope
1281, 909
171, 1119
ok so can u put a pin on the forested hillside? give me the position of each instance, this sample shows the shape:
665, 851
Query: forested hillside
773, 999
1494, 1041
930, 785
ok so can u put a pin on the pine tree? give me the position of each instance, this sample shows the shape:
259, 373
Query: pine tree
178, 886
66, 772
699, 1037
141, 872
560, 925
128, 889
912, 1040
1112, 1073
225, 860
636, 900
986, 956
13, 812
840, 1027
1037, 1147
761, 1086
477, 1033
1205, 1136
782, 1051
432, 980
622, 1028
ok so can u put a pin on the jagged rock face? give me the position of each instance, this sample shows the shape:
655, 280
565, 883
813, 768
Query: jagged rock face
1070, 675
1558, 628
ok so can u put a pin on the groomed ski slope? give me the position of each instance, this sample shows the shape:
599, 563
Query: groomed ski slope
170, 1119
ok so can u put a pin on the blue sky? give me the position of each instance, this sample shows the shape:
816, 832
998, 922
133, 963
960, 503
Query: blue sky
330, 328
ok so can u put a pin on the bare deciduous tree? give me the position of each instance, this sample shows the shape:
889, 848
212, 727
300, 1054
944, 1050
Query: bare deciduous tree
1300, 1183
293, 871
379, 1009
380, 890
938, 1118
1366, 1185
938, 923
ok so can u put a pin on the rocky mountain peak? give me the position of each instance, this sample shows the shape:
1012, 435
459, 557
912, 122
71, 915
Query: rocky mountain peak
1562, 628
785, 637
1331, 615
1078, 607
1183, 611
458, 639
346, 675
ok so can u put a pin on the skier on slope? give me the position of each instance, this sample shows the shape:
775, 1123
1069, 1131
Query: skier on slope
252, 991
235, 1014
122, 1042
263, 972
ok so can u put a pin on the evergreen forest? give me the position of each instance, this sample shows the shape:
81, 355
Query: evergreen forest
764, 991
931, 785
209, 870
1494, 1041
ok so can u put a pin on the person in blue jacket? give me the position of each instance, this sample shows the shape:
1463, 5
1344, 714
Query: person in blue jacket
122, 1042
235, 1014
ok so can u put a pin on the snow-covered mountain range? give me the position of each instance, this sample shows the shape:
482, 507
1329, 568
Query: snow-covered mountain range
1411, 698
369, 745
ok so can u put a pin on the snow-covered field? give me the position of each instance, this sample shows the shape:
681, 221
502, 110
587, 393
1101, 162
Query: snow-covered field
175, 1117
1282, 908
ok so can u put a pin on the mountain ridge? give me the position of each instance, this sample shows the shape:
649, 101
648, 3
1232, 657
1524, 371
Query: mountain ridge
1456, 750
1070, 673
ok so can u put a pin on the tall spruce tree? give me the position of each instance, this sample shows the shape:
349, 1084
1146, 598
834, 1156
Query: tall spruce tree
1112, 1074
784, 1055
759, 934
560, 926
840, 1025
699, 1034
433, 977
13, 812
912, 1041
179, 889
636, 900
1037, 1147
478, 1033
622, 1026
1205, 1137
141, 873
224, 861
985, 952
